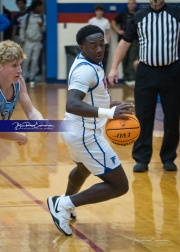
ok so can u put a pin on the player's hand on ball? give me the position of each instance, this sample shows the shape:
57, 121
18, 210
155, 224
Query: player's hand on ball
123, 108
23, 139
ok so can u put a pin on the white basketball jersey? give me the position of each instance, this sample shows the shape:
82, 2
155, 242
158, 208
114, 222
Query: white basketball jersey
90, 79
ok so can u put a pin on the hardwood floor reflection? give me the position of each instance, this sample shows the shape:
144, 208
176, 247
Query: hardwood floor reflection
145, 219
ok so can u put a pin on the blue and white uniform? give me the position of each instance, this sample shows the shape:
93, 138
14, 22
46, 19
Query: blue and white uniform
86, 142
7, 107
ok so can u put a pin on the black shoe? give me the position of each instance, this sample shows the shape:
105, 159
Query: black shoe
170, 166
140, 167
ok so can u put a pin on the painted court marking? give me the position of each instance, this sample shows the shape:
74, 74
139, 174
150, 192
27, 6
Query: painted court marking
41, 204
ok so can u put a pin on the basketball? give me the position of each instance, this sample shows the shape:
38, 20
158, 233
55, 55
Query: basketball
123, 132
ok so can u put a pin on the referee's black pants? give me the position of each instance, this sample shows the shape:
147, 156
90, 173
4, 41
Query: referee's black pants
151, 82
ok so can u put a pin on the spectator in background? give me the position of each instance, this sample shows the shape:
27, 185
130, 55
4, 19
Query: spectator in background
104, 24
21, 4
8, 31
4, 22
31, 34
119, 24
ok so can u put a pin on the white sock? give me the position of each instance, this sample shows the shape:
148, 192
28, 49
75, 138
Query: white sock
67, 203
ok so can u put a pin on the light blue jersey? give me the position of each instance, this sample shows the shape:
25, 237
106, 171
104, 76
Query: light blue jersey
7, 107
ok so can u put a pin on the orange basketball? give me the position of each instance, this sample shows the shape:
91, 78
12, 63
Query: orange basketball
123, 132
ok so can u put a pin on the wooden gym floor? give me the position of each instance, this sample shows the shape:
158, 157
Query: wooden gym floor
145, 219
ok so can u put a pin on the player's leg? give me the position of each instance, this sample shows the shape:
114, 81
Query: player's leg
25, 65
60, 215
76, 179
34, 67
114, 184
101, 160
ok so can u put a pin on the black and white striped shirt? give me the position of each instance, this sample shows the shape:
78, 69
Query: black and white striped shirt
158, 34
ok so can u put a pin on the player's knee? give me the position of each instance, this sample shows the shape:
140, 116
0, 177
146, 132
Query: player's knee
82, 171
122, 189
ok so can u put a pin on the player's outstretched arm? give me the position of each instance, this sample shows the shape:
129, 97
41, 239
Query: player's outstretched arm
31, 112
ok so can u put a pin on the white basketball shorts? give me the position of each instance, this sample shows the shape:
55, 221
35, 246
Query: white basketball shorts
89, 147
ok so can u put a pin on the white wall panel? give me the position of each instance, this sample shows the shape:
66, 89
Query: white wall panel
66, 37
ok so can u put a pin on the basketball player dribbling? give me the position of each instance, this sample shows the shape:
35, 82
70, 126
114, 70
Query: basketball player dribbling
13, 89
88, 107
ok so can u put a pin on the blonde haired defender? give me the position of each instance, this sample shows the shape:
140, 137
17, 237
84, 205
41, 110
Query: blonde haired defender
10, 51
13, 89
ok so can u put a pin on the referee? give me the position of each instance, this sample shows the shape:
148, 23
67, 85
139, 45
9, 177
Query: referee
157, 28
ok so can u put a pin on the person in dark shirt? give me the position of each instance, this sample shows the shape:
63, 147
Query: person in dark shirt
7, 34
157, 75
